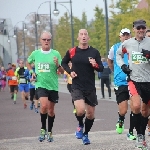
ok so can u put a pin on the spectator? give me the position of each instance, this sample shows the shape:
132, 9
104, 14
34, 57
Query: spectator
105, 78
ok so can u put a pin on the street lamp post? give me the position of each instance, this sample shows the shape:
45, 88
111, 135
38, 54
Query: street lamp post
24, 29
9, 41
36, 32
107, 27
56, 13
50, 19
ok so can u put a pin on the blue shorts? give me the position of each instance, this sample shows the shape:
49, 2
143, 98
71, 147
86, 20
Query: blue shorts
24, 88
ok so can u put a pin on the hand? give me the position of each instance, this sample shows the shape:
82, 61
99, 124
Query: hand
73, 74
33, 77
92, 61
146, 53
125, 69
56, 61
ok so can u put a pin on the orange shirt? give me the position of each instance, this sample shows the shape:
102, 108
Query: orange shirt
14, 81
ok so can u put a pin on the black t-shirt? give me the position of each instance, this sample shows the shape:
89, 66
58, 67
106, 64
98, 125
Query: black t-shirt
85, 79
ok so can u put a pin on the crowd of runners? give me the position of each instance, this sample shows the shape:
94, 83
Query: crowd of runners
128, 60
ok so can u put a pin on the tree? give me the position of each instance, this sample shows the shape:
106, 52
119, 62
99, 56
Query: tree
63, 35
97, 32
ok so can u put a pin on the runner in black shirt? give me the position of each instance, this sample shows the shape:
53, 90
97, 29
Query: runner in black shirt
85, 60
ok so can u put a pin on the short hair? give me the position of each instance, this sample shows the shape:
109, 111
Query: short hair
46, 32
9, 63
148, 30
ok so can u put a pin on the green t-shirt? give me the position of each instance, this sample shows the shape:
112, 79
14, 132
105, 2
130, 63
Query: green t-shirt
45, 68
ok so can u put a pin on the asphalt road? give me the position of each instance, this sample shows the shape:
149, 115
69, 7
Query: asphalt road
19, 128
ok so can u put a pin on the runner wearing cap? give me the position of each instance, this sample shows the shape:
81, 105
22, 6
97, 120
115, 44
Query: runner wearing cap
121, 85
138, 73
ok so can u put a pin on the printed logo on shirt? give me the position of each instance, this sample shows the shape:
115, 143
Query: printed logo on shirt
137, 58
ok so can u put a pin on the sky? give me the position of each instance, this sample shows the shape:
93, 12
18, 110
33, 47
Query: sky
17, 10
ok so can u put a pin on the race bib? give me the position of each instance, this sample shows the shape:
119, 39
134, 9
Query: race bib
137, 58
22, 80
43, 67
14, 78
33, 83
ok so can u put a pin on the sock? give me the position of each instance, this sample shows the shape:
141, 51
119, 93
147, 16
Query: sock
80, 119
15, 96
43, 121
144, 121
132, 122
121, 118
137, 122
50, 123
88, 125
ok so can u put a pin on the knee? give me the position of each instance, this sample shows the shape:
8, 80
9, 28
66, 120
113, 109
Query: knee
51, 112
43, 108
123, 112
136, 108
80, 112
145, 113
90, 116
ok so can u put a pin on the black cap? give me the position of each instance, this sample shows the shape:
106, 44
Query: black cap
138, 23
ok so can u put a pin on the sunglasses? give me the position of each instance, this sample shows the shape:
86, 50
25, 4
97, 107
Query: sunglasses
125, 34
46, 40
141, 27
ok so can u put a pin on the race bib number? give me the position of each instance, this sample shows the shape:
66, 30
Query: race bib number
137, 58
14, 78
43, 67
22, 80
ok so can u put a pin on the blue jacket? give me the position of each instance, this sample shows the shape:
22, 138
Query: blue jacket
29, 76
119, 75
106, 71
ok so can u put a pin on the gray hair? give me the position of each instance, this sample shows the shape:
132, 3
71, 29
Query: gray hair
46, 32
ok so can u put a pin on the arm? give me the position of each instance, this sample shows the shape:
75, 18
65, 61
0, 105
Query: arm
99, 66
30, 60
65, 62
119, 55
58, 64
111, 58
119, 59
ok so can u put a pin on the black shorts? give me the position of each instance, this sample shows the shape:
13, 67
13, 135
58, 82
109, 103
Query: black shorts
122, 93
140, 88
89, 97
51, 94
13, 88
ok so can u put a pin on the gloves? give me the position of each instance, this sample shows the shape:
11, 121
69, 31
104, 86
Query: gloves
146, 53
125, 69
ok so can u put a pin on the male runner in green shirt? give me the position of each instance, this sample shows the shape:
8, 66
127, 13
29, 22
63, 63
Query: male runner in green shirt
47, 61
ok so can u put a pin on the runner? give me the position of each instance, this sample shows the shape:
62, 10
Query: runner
138, 71
47, 61
121, 85
13, 83
68, 79
23, 82
34, 101
85, 60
